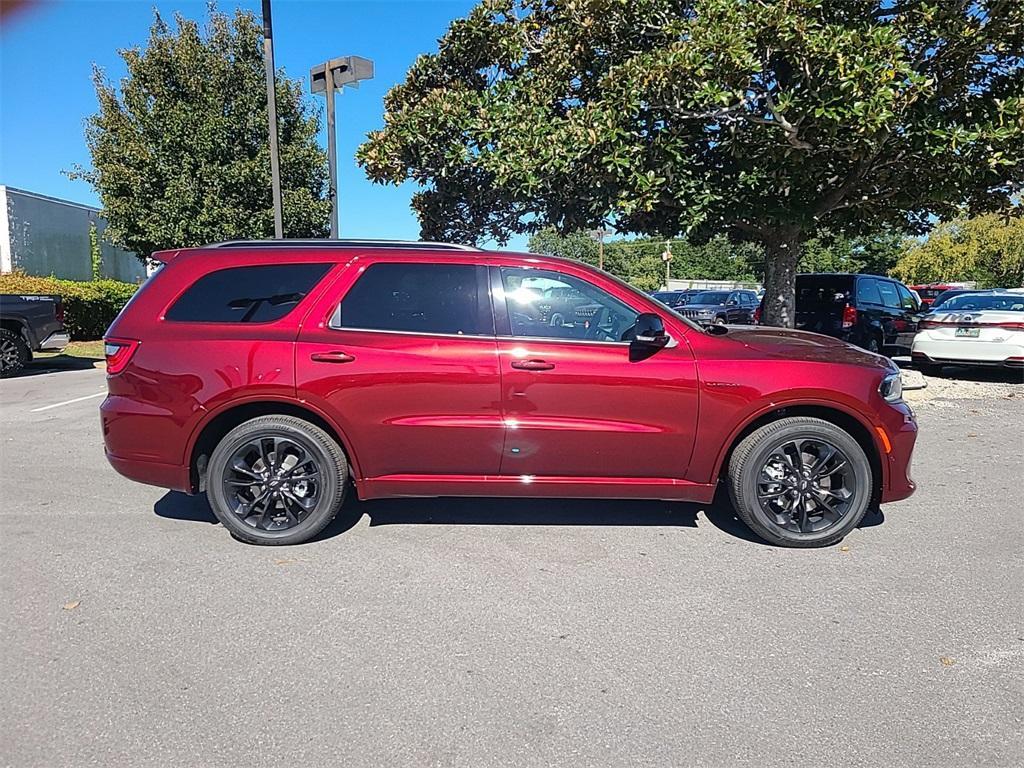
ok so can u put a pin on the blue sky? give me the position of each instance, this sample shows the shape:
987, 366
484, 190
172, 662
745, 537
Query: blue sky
47, 52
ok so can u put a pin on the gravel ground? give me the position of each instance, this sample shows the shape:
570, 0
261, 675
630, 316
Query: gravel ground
989, 385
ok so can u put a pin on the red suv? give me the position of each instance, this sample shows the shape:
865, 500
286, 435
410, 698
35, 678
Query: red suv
270, 374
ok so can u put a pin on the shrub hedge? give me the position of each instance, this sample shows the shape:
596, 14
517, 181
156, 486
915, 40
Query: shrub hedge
89, 307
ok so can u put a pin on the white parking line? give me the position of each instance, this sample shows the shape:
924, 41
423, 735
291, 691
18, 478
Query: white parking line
67, 402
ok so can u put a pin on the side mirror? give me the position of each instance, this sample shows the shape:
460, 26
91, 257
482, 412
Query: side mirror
649, 330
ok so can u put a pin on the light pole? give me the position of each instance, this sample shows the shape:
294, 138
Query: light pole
346, 70
599, 235
666, 256
275, 166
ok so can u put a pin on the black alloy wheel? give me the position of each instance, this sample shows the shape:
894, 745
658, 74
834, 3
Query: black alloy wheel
276, 480
800, 482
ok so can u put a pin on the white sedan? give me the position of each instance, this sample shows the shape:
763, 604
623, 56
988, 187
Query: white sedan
973, 329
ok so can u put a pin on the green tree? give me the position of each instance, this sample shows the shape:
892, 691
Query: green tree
180, 152
875, 254
988, 249
640, 261
766, 121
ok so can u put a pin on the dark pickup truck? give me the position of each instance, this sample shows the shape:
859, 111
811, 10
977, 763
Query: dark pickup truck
29, 324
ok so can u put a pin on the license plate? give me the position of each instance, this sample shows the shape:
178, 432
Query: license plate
967, 333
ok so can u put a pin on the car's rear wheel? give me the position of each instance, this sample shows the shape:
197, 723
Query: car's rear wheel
874, 345
14, 352
800, 482
276, 480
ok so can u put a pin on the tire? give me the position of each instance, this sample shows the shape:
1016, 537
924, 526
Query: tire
756, 461
14, 352
557, 320
260, 506
874, 344
720, 320
930, 369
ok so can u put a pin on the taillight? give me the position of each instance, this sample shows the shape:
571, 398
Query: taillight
1012, 326
924, 325
849, 316
757, 316
118, 353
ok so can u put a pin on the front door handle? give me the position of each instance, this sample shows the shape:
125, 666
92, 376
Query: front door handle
532, 365
332, 357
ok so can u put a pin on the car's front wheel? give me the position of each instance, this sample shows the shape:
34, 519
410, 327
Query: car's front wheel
276, 480
800, 482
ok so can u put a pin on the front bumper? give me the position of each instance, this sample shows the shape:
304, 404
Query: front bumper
901, 430
55, 342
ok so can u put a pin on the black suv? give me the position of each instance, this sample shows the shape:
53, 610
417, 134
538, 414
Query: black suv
720, 307
873, 312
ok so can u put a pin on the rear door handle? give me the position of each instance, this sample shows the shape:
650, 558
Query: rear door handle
532, 365
332, 357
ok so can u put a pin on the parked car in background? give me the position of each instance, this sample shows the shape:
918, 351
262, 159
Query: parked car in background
273, 375
32, 323
721, 307
984, 328
945, 296
870, 311
674, 299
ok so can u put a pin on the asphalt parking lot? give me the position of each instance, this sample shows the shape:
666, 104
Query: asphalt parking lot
135, 631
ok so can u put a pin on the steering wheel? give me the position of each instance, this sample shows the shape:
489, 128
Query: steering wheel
594, 328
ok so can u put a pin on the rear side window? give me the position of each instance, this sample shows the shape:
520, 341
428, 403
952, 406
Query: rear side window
418, 298
259, 294
889, 295
867, 292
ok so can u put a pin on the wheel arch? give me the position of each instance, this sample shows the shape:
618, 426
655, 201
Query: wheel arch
849, 422
219, 423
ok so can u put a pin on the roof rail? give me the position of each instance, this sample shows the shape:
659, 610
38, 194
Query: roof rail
348, 243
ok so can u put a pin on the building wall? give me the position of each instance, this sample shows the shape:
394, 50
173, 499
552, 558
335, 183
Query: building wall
44, 236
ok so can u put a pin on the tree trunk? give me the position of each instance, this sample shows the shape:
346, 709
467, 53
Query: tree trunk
782, 255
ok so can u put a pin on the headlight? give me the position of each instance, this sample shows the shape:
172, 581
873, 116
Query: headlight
891, 388
706, 312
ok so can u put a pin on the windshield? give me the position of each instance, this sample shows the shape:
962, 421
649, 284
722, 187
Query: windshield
709, 297
979, 301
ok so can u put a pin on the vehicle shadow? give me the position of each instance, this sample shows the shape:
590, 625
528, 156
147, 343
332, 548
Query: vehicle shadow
980, 374
55, 364
507, 511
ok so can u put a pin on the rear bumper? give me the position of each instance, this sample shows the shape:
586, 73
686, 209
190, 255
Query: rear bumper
55, 342
170, 476
968, 353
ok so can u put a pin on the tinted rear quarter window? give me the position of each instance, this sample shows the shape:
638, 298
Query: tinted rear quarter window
256, 294
418, 298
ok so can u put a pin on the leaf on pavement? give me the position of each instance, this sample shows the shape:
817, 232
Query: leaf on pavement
72, 605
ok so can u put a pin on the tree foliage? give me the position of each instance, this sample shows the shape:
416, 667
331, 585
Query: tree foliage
180, 152
988, 249
766, 121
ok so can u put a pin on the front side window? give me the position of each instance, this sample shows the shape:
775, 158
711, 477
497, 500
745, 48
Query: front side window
545, 304
906, 297
418, 298
257, 294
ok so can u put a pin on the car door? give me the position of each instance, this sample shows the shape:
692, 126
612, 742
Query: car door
402, 355
906, 323
891, 311
576, 399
